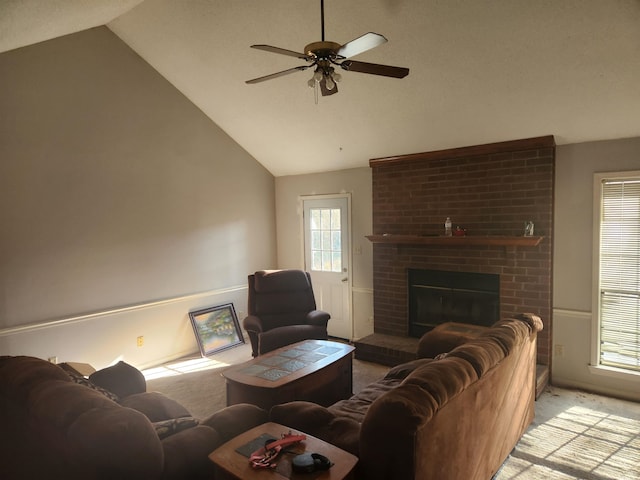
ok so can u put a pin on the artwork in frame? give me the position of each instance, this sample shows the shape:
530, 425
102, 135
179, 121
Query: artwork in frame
216, 328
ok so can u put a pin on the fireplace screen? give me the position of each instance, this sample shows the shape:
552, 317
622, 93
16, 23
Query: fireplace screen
437, 297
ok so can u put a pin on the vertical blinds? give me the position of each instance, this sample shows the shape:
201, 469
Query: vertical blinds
620, 274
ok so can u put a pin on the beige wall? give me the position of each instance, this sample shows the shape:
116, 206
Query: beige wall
355, 181
573, 262
115, 191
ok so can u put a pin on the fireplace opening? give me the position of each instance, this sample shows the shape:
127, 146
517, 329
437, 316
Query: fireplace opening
437, 297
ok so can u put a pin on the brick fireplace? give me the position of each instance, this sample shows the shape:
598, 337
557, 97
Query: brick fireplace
488, 190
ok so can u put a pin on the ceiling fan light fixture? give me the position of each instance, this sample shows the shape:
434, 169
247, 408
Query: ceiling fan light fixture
330, 83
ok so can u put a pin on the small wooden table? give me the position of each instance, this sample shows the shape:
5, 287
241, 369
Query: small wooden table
318, 371
232, 464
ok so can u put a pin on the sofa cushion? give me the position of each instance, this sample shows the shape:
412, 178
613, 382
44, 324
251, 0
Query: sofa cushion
155, 406
122, 379
401, 371
482, 353
355, 408
443, 379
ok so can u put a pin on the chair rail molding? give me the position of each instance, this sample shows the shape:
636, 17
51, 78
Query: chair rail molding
18, 329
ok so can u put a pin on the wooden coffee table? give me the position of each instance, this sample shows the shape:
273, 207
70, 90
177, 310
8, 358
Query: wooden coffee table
232, 464
318, 371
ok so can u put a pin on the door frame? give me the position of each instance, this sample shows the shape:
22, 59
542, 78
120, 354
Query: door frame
329, 196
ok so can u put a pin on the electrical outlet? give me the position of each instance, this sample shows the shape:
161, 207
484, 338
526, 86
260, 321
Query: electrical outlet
558, 350
53, 359
140, 341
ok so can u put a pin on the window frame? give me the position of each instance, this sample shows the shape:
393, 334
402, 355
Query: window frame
595, 366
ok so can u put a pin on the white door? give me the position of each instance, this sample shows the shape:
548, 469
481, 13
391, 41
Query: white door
326, 256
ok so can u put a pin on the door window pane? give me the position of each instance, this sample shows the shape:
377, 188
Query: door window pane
315, 219
326, 239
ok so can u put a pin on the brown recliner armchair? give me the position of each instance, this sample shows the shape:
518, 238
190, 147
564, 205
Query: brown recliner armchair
282, 310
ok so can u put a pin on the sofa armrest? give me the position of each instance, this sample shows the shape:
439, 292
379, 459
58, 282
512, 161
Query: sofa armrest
186, 453
252, 323
318, 317
105, 442
531, 319
236, 419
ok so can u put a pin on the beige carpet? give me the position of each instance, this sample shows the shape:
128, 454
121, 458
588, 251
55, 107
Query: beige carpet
574, 436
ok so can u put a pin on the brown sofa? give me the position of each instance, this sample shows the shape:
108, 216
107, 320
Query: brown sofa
457, 416
56, 424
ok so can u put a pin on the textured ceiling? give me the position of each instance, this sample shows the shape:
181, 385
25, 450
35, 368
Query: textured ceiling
481, 70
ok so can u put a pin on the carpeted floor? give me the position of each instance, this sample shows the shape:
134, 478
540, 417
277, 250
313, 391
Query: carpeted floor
575, 435
197, 382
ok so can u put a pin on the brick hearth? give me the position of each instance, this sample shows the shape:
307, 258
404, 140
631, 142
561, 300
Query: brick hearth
490, 190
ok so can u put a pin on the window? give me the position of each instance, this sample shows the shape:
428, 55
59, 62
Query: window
619, 271
326, 240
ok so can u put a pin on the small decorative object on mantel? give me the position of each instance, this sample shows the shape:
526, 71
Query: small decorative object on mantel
216, 328
459, 231
447, 227
528, 228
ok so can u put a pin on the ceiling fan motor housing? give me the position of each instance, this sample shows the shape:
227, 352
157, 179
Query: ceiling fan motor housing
322, 50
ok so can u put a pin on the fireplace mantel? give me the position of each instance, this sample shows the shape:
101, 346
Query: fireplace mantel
486, 240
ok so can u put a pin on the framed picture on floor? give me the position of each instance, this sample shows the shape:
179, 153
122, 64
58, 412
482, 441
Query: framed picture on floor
216, 328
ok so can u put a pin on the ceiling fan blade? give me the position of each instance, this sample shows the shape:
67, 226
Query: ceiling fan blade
324, 90
375, 69
361, 44
281, 51
278, 74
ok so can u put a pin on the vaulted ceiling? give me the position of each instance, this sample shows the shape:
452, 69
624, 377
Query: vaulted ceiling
481, 70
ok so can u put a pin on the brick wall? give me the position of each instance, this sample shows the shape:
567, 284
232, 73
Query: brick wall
487, 189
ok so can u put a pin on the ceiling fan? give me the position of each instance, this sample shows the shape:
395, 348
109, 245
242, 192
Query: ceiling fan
324, 55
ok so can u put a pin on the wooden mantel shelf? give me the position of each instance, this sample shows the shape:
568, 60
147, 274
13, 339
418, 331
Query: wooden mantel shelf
471, 240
